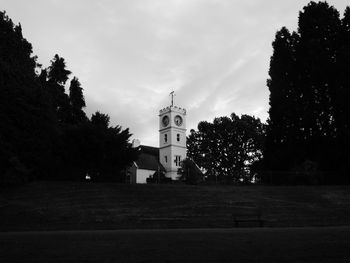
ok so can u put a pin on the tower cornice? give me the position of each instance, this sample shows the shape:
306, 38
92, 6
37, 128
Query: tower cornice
173, 127
173, 145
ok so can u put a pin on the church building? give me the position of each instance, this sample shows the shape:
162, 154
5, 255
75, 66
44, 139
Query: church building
172, 147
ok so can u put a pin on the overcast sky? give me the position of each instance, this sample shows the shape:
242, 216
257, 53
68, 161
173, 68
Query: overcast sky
130, 54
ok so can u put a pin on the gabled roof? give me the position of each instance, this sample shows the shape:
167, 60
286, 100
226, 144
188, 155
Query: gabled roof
149, 159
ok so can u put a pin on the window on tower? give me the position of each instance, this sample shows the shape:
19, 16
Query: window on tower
177, 160
166, 158
178, 137
165, 138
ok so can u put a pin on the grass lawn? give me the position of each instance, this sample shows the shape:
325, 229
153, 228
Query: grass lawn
76, 205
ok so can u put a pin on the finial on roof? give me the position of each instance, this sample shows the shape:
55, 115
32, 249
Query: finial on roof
172, 94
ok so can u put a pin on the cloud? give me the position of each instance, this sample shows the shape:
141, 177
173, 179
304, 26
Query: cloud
129, 55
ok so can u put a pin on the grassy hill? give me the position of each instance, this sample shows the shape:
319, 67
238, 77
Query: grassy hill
76, 205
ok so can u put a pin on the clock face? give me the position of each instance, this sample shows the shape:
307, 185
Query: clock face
165, 121
178, 120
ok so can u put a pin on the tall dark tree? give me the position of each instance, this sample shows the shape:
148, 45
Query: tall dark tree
26, 124
284, 123
57, 75
342, 105
319, 29
77, 102
308, 76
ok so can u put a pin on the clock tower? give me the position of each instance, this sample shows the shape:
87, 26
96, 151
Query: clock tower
172, 138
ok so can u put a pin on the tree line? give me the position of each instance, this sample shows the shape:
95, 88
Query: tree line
44, 131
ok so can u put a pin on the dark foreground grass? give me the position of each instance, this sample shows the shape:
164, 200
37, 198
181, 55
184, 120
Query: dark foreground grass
73, 205
322, 244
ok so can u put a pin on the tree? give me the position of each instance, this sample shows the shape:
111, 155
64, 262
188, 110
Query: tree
100, 120
189, 172
57, 75
319, 28
77, 102
95, 148
26, 123
342, 105
43, 131
227, 147
283, 130
307, 73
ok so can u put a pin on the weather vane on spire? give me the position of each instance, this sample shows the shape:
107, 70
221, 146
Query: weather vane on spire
172, 94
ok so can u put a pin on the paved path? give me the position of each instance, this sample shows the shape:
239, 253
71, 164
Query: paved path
326, 244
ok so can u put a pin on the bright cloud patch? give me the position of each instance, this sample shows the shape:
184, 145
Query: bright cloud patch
129, 55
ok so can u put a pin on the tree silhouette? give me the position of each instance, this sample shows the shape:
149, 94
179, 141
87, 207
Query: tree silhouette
189, 172
283, 128
77, 102
342, 107
227, 147
43, 131
57, 75
26, 122
308, 73
100, 120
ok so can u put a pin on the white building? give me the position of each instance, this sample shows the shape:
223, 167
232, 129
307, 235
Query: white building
172, 147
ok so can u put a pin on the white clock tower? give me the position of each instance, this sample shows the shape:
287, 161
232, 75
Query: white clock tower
172, 138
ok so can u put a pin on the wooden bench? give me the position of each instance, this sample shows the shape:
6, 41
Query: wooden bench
248, 216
